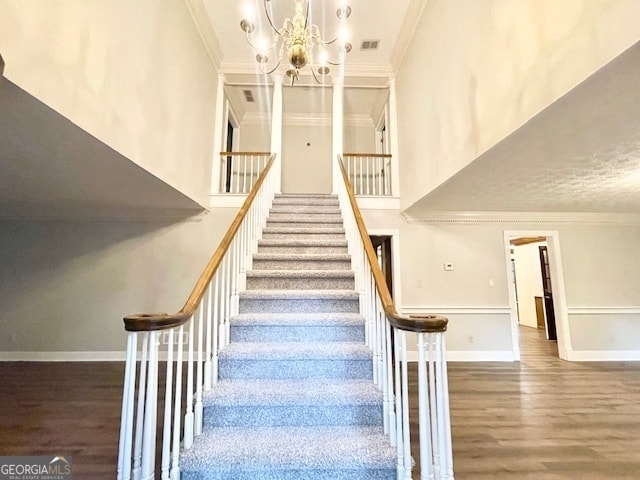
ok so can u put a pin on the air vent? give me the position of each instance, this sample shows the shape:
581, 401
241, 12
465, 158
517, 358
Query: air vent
369, 44
248, 96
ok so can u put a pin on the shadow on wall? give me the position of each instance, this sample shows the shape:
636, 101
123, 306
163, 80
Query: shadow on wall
65, 286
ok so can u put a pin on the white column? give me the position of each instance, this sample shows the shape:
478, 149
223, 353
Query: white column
393, 139
219, 130
276, 130
338, 119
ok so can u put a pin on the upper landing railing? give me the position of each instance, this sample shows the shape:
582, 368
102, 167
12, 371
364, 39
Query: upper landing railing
370, 174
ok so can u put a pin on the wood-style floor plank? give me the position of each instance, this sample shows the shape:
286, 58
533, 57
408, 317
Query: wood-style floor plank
541, 418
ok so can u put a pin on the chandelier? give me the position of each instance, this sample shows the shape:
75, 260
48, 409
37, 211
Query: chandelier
301, 42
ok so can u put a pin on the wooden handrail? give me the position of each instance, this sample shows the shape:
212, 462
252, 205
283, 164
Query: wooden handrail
147, 322
382, 155
230, 154
412, 323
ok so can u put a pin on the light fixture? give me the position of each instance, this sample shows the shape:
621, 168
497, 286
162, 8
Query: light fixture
300, 41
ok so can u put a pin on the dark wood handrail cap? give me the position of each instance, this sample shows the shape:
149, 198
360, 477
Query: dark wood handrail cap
150, 322
420, 323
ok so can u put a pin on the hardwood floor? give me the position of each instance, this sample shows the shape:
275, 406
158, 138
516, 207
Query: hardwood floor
541, 418
545, 418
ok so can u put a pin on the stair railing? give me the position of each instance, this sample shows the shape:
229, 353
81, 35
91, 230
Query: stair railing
369, 173
198, 331
240, 170
387, 337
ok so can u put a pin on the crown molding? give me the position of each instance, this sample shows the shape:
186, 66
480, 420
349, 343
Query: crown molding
201, 20
261, 118
409, 25
564, 218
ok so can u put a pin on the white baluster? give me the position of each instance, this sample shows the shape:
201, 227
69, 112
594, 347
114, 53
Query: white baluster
380, 176
198, 411
389, 392
177, 406
188, 417
434, 413
126, 420
444, 421
398, 399
166, 429
142, 386
244, 174
425, 416
223, 303
151, 411
228, 296
408, 464
216, 323
209, 322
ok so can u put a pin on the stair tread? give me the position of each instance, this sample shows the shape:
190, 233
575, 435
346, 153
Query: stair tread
291, 319
300, 294
295, 351
302, 256
284, 448
301, 273
316, 392
303, 242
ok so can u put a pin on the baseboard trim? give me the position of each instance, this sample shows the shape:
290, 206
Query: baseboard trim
63, 356
471, 356
440, 310
604, 356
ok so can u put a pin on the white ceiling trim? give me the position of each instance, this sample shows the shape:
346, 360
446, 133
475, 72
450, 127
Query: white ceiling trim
262, 118
203, 25
564, 218
408, 28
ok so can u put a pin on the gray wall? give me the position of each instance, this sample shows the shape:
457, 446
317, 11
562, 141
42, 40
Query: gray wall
65, 286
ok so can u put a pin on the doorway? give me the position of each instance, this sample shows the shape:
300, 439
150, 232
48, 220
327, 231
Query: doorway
382, 247
536, 289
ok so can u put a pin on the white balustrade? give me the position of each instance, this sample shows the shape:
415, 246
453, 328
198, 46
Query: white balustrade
200, 329
387, 337
240, 170
369, 173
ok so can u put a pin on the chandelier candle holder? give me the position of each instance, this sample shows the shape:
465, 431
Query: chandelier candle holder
300, 42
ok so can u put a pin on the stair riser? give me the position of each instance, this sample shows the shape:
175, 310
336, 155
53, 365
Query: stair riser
301, 264
279, 283
254, 305
292, 416
302, 235
231, 369
337, 474
303, 223
306, 210
316, 249
309, 217
286, 333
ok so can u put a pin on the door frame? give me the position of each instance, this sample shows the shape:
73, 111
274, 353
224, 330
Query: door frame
395, 262
557, 280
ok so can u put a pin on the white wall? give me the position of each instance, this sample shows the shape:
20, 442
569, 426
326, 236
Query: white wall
135, 75
528, 281
359, 138
254, 137
601, 267
65, 286
512, 60
306, 158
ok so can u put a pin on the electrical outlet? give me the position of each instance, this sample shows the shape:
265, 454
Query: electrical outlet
471, 339
448, 267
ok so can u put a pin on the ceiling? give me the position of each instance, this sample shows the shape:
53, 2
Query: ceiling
580, 154
52, 169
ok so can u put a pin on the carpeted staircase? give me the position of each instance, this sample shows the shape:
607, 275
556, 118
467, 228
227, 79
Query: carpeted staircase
295, 399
